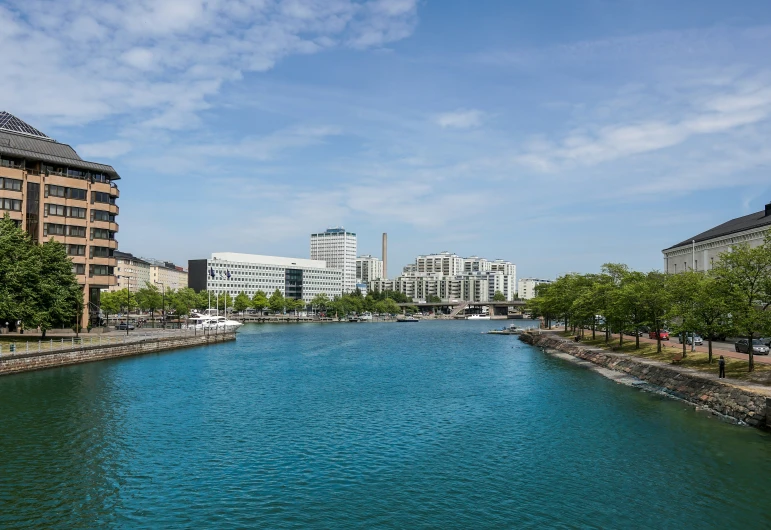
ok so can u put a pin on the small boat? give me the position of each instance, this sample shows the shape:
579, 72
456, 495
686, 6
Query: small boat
478, 317
407, 319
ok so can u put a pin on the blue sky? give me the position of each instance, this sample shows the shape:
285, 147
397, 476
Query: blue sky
559, 134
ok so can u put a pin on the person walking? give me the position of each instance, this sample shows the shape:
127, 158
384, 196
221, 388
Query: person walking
721, 368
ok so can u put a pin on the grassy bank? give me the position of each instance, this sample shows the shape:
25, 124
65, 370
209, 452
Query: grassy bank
735, 369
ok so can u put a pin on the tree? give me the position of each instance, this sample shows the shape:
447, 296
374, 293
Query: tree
109, 303
241, 303
260, 301
497, 297
58, 294
683, 289
183, 301
657, 300
321, 301
744, 275
710, 308
433, 299
277, 302
149, 298
37, 284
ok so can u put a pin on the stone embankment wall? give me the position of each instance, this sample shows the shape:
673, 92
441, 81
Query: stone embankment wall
739, 403
38, 361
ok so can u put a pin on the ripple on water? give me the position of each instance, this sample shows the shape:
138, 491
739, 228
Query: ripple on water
390, 426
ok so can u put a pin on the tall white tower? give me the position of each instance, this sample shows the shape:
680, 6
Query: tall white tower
338, 248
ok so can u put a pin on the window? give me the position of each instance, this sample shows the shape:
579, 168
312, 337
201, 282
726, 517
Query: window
10, 184
98, 196
76, 250
50, 229
76, 231
101, 215
78, 268
65, 193
100, 252
10, 204
101, 233
100, 270
65, 211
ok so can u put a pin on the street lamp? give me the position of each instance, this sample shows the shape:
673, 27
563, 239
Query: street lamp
163, 293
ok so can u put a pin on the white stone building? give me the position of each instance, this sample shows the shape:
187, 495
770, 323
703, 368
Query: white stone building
526, 287
337, 247
450, 277
130, 272
295, 278
368, 268
168, 274
702, 250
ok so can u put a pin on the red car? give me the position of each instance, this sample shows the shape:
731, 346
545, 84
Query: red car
663, 335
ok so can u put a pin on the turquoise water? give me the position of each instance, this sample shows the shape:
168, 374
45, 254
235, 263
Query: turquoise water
429, 425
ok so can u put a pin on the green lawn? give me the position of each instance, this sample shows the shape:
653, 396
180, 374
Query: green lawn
735, 369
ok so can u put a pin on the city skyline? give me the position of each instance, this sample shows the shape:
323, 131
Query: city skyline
558, 136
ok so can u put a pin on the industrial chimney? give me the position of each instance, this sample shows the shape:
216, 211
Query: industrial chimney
385, 255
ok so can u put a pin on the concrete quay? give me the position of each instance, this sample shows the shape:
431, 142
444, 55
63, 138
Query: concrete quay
745, 403
25, 361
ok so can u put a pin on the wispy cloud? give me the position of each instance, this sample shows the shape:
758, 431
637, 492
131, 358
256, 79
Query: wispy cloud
108, 149
159, 62
460, 119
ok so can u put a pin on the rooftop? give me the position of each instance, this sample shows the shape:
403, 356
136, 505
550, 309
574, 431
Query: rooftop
740, 224
235, 257
19, 139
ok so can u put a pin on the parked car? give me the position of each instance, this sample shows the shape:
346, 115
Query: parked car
633, 333
697, 340
757, 347
663, 334
123, 326
766, 341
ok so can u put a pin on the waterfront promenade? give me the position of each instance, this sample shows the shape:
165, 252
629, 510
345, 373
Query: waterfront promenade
26, 356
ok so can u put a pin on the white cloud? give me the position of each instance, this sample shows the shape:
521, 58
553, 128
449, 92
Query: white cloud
108, 149
160, 61
460, 119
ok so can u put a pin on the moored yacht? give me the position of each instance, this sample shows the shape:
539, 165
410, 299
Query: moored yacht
207, 320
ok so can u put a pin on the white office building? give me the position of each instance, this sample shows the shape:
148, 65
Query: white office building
450, 277
526, 287
337, 247
368, 268
234, 273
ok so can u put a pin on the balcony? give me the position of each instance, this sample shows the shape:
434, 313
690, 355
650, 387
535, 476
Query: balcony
114, 191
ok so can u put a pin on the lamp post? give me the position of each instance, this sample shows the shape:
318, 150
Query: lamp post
163, 297
128, 305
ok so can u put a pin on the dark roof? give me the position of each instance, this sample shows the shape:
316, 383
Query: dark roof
128, 256
16, 139
740, 224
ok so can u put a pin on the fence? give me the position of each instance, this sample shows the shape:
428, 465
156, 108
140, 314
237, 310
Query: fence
22, 347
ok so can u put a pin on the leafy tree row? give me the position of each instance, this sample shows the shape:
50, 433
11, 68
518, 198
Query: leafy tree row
733, 298
37, 285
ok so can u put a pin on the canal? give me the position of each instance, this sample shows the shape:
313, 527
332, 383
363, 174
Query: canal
421, 425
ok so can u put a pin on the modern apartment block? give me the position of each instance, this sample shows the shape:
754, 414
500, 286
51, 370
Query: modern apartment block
702, 250
337, 247
450, 277
233, 273
52, 193
526, 287
368, 268
131, 273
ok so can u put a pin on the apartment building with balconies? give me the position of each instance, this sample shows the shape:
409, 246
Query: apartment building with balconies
52, 193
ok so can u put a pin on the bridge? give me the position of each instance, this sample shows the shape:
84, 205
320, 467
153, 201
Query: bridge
458, 308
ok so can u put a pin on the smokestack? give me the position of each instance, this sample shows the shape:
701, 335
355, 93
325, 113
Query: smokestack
385, 255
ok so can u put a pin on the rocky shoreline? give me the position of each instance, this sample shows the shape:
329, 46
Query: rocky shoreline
747, 404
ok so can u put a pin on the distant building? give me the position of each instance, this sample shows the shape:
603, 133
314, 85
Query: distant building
168, 274
368, 268
337, 247
52, 193
702, 250
131, 273
234, 273
450, 277
526, 287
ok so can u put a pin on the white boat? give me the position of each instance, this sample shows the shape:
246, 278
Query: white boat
478, 317
407, 319
365, 317
209, 321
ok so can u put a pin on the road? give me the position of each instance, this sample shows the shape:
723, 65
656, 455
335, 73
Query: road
725, 349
